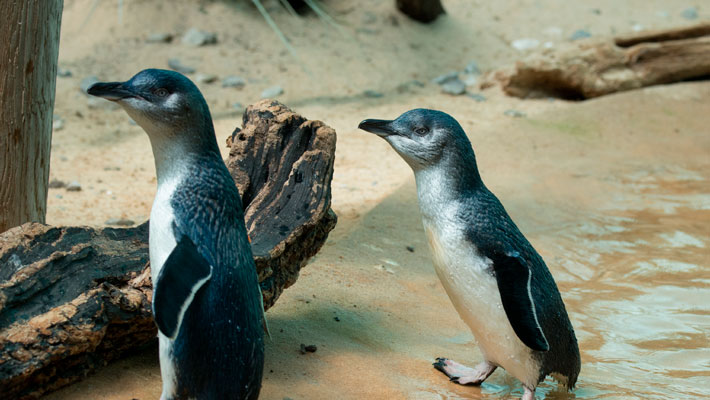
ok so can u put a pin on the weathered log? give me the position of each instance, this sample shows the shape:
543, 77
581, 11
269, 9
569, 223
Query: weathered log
421, 10
595, 68
74, 298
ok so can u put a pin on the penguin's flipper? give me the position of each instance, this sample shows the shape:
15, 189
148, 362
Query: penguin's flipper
514, 278
182, 275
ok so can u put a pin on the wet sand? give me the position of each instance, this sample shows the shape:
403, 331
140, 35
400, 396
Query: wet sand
614, 193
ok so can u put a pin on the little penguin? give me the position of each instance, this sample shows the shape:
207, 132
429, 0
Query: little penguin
207, 301
495, 279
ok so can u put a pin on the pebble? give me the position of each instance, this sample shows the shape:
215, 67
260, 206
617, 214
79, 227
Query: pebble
472, 68
73, 186
197, 37
59, 196
410, 249
57, 123
176, 65
454, 87
525, 44
690, 13
237, 106
514, 113
205, 78
272, 92
441, 79
159, 38
87, 82
56, 184
372, 94
233, 81
336, 319
311, 348
580, 34
470, 80
477, 96
63, 73
119, 222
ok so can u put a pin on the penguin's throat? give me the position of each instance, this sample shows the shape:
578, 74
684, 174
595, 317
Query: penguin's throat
172, 157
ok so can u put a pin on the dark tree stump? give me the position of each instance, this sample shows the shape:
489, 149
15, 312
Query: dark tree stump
421, 10
595, 68
74, 298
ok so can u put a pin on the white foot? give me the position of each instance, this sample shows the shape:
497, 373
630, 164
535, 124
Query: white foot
529, 394
462, 374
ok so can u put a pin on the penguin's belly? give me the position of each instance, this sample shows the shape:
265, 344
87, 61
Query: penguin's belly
473, 290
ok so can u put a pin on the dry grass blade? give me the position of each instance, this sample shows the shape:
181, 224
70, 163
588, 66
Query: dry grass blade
327, 18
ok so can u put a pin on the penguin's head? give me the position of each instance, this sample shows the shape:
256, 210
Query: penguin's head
421, 136
164, 103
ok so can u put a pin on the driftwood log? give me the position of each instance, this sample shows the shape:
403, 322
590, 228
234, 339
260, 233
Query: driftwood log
74, 298
595, 68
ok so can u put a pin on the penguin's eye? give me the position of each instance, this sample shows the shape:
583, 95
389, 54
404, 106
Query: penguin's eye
421, 131
161, 92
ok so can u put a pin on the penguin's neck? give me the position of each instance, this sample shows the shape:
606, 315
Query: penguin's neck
176, 153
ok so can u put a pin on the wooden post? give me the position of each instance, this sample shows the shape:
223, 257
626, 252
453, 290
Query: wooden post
29, 47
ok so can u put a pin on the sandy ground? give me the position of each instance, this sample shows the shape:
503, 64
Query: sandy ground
613, 192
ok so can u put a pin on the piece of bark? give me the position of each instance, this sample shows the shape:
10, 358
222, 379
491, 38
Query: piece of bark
595, 68
421, 10
74, 298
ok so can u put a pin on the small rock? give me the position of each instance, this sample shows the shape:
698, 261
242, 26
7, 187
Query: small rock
57, 123
112, 168
410, 249
272, 92
237, 106
311, 348
372, 94
525, 44
441, 79
384, 268
205, 78
73, 186
56, 184
119, 222
690, 13
234, 81
477, 96
580, 34
470, 80
454, 87
336, 319
159, 38
59, 196
472, 68
196, 37
596, 11
514, 113
87, 82
176, 65
637, 28
63, 73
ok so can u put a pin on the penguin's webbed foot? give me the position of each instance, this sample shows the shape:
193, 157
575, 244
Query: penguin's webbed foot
462, 374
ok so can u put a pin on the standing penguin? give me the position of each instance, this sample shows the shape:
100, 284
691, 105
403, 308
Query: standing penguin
497, 282
206, 300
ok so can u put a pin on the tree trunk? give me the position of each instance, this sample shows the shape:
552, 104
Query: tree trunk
421, 10
29, 47
74, 298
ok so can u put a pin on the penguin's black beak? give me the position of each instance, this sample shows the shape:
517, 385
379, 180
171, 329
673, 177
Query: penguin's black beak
379, 127
113, 91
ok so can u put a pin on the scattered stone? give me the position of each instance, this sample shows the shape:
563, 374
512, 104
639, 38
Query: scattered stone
311, 348
470, 80
596, 11
57, 123
59, 196
454, 87
272, 92
472, 68
477, 96
73, 186
87, 82
580, 34
196, 37
237, 106
514, 113
112, 168
384, 268
372, 94
159, 38
119, 222
525, 44
637, 27
205, 78
177, 65
690, 13
56, 184
410, 249
441, 79
63, 73
336, 319
234, 81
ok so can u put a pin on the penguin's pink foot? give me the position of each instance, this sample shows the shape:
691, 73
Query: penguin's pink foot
462, 374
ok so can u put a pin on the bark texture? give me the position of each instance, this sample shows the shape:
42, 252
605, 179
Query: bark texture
28, 68
74, 298
596, 68
421, 10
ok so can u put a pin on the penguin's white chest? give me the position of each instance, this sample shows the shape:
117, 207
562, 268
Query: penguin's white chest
473, 290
